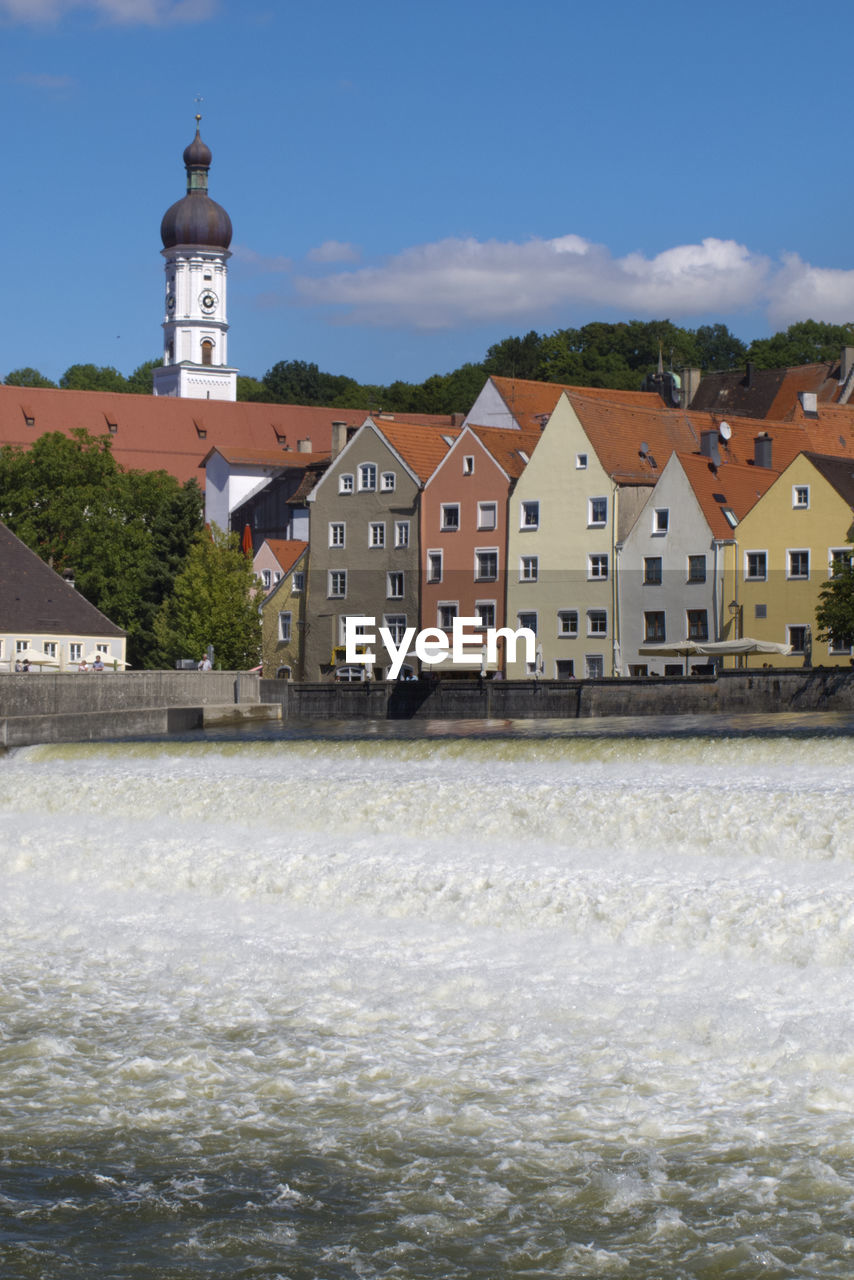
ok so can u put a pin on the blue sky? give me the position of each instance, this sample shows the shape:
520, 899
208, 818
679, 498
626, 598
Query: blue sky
409, 182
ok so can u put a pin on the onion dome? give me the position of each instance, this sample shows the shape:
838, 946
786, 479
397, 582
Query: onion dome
195, 219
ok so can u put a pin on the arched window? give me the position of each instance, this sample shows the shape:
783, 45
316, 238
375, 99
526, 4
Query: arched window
207, 351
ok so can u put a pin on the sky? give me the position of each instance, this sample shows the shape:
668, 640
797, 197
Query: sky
410, 182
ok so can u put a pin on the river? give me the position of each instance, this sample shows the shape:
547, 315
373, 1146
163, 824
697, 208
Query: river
456, 1005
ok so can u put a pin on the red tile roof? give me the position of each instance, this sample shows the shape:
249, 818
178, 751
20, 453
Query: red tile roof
422, 448
506, 446
733, 485
265, 457
287, 551
531, 403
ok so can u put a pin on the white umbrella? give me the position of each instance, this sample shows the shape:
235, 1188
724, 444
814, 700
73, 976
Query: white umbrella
107, 659
720, 648
35, 657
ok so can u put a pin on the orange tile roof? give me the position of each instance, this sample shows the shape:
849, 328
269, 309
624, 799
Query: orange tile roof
153, 433
265, 457
505, 446
532, 402
823, 379
287, 551
733, 485
422, 448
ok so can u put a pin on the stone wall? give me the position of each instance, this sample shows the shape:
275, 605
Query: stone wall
51, 694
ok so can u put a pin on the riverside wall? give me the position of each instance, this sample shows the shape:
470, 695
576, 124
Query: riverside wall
95, 707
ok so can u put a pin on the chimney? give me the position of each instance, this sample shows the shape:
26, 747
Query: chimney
846, 363
709, 446
690, 383
303, 446
748, 378
762, 450
459, 418
339, 437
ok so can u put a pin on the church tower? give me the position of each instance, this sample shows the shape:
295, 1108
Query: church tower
196, 233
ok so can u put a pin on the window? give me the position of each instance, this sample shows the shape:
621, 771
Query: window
368, 477
298, 584
394, 585
760, 611
486, 565
277, 576
799, 564
653, 627
530, 515
485, 613
486, 515
597, 511
337, 584
75, 652
581, 462
597, 567
839, 560
207, 351
696, 568
267, 578
388, 480
652, 570
528, 620
597, 622
468, 465
756, 566
338, 535
594, 666
434, 566
661, 520
797, 636
21, 645
529, 568
345, 483
834, 647
396, 623
401, 533
565, 669
446, 611
285, 627
730, 516
49, 648
567, 622
800, 497
450, 518
698, 624
376, 534
350, 675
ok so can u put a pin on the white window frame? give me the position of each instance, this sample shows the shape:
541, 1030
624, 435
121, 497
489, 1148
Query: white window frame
49, 647
598, 634
337, 533
430, 563
660, 521
396, 622
485, 510
367, 477
797, 503
581, 462
529, 568
832, 553
388, 482
595, 563
346, 482
401, 533
446, 604
468, 464
331, 585
528, 618
285, 627
267, 578
376, 535
298, 582
799, 626
479, 606
797, 577
755, 577
391, 581
445, 510
479, 576
591, 661
592, 522
565, 627
529, 515
75, 651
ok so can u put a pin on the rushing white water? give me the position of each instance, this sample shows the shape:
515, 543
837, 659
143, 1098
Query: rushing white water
428, 1009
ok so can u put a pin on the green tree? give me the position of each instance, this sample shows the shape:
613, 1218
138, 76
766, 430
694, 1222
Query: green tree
212, 602
719, 349
92, 377
27, 377
126, 534
141, 381
252, 389
515, 357
807, 342
834, 613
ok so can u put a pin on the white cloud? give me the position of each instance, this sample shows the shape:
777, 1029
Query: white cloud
454, 282
151, 13
259, 262
334, 251
801, 292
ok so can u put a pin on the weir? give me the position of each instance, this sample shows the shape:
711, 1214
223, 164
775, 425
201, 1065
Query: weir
81, 708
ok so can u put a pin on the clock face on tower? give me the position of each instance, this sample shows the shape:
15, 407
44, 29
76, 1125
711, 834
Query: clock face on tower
208, 300
170, 302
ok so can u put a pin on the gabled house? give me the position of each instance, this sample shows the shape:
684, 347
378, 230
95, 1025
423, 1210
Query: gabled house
364, 539
788, 546
464, 529
283, 610
42, 612
776, 393
519, 404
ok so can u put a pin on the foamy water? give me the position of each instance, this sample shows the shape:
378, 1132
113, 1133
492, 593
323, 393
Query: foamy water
428, 1009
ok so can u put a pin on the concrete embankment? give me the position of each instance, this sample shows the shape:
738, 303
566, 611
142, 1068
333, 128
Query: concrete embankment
95, 707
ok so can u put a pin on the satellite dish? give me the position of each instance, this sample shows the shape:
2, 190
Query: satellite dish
725, 430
